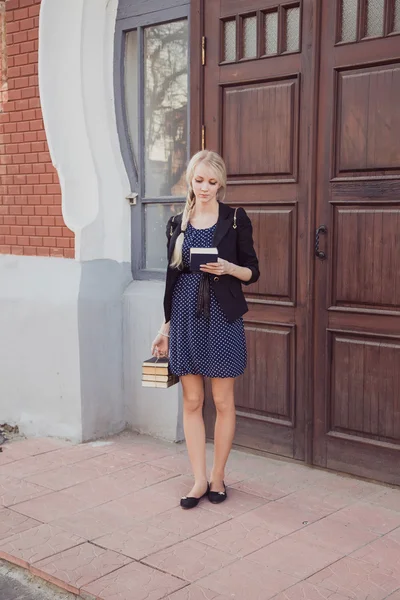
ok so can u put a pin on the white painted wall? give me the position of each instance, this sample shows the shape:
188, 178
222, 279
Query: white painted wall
39, 349
152, 411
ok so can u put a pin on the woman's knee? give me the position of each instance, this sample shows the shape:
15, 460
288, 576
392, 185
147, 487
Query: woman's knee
193, 402
224, 403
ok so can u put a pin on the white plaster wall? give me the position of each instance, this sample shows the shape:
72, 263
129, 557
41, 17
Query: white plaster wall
152, 411
39, 349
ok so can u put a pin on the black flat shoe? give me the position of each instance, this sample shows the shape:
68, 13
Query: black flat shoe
217, 497
191, 501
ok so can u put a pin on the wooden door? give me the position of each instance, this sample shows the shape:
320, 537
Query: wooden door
258, 113
357, 287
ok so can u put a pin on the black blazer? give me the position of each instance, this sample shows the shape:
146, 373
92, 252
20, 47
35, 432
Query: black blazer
234, 245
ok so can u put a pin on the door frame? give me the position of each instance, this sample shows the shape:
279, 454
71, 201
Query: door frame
197, 45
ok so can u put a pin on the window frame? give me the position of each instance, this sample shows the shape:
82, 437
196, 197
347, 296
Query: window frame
136, 176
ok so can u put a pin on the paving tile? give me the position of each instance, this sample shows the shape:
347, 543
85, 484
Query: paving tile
195, 592
149, 452
187, 523
138, 540
236, 504
239, 536
33, 446
177, 463
109, 462
386, 498
356, 579
284, 518
9, 454
306, 591
383, 552
95, 522
269, 490
369, 517
78, 566
96, 491
142, 504
331, 534
12, 522
140, 476
245, 580
49, 507
133, 582
62, 477
394, 596
13, 491
36, 544
355, 488
300, 559
49, 461
321, 499
189, 560
395, 534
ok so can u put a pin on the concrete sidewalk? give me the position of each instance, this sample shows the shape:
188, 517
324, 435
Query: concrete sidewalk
103, 520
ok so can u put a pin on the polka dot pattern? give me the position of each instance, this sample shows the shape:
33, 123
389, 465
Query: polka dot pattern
199, 346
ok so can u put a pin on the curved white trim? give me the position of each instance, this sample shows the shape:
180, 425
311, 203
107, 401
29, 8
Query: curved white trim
76, 49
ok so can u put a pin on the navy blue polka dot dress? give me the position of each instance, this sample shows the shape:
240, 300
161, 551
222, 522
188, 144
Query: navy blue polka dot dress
199, 346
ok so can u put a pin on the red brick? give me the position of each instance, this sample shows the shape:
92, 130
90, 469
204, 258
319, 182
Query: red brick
32, 179
63, 243
15, 94
35, 125
57, 252
17, 250
23, 240
38, 147
43, 252
27, 70
35, 221
4, 229
16, 230
5, 209
20, 220
22, 13
33, 57
21, 200
55, 231
36, 241
23, 126
29, 230
47, 199
14, 189
17, 138
48, 220
41, 210
13, 49
68, 233
21, 82
10, 239
28, 210
29, 92
42, 231
13, 27
9, 219
29, 251
20, 180
15, 210
39, 168
49, 242
14, 72
27, 24
33, 34
25, 148
27, 189
20, 36
28, 46
54, 210
26, 168
46, 178
34, 102
31, 158
34, 10
5, 249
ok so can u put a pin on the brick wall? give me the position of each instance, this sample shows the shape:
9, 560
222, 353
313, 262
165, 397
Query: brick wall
31, 221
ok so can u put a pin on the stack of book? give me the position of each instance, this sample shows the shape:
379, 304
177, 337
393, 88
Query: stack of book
156, 373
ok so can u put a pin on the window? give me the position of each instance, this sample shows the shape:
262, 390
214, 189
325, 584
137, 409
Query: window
155, 115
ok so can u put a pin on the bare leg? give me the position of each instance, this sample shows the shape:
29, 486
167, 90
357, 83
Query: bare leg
223, 394
195, 435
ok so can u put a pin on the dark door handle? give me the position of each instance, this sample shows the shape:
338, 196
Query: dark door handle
318, 252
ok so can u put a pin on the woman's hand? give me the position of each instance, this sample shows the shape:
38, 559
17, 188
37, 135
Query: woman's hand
160, 346
222, 267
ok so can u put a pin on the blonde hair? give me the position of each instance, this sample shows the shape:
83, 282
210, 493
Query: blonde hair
216, 163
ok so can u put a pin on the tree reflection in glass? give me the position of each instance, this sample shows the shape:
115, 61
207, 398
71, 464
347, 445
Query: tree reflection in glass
165, 108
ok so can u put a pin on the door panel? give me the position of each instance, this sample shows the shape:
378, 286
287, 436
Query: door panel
258, 113
357, 335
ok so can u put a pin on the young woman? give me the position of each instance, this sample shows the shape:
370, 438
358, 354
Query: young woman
203, 331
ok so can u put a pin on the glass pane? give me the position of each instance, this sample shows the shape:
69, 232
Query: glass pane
271, 33
165, 108
293, 29
230, 41
375, 16
131, 90
155, 220
349, 20
250, 37
396, 22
